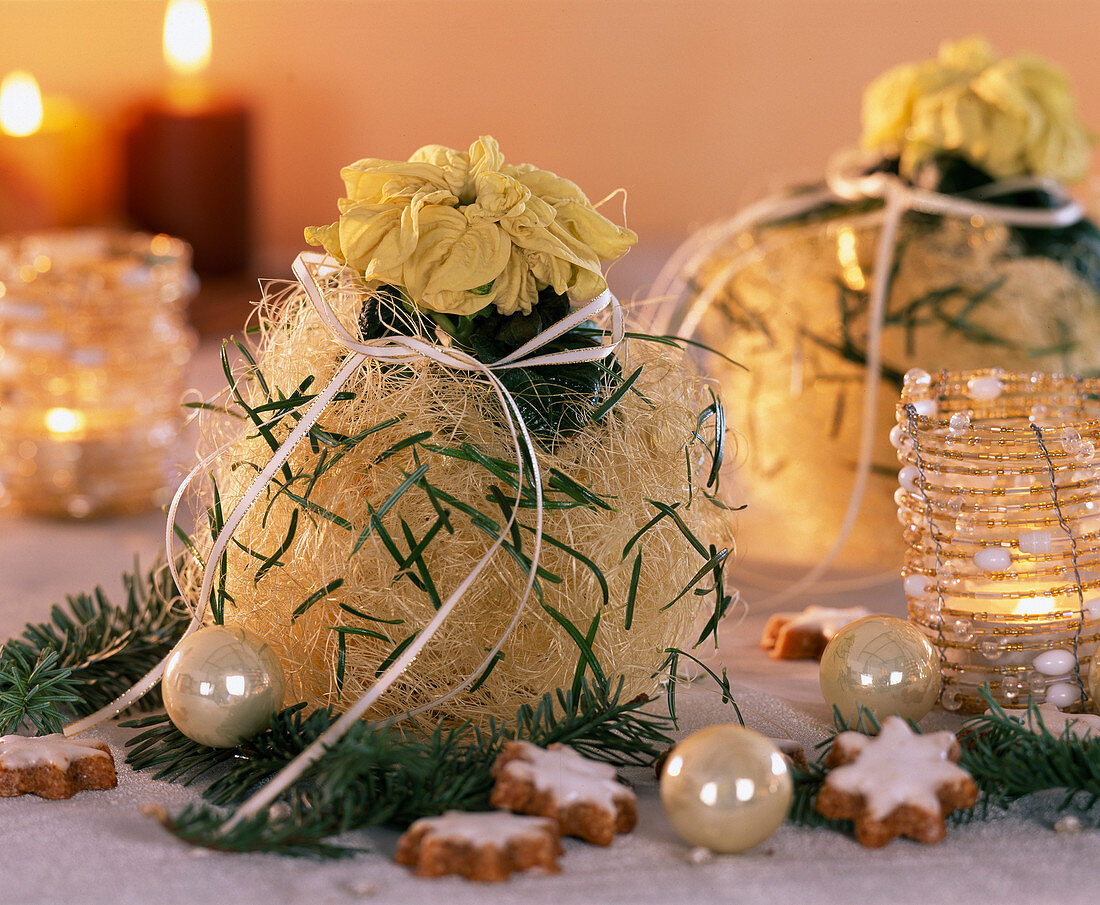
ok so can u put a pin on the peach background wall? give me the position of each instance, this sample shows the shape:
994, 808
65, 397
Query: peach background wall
694, 107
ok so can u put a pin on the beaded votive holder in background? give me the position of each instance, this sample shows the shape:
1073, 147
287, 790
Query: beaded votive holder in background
1000, 507
93, 345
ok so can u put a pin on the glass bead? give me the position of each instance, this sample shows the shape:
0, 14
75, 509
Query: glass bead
966, 525
959, 423
915, 585
962, 629
1085, 452
991, 648
948, 576
1036, 543
954, 504
1070, 440
917, 377
951, 700
1036, 683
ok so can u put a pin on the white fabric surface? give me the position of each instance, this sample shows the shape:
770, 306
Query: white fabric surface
98, 848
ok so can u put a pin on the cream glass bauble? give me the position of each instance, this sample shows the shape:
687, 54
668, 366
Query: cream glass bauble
883, 664
221, 685
726, 788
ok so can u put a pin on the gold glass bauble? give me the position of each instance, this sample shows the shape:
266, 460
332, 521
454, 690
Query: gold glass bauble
221, 685
883, 664
726, 788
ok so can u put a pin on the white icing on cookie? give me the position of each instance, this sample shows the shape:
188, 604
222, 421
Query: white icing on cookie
484, 828
567, 776
896, 767
827, 620
1080, 725
19, 752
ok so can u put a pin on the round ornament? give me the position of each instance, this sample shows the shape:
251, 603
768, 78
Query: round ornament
221, 685
883, 664
726, 788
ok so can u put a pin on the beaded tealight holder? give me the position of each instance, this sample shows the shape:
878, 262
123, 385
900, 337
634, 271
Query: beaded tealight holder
1000, 507
93, 343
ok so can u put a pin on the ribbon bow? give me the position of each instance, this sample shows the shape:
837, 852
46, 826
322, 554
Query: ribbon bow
313, 272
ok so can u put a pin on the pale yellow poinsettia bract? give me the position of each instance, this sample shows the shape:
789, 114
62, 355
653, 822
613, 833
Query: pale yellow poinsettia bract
1011, 117
461, 230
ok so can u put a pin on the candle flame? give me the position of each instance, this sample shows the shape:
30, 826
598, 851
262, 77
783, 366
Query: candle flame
187, 40
63, 421
20, 104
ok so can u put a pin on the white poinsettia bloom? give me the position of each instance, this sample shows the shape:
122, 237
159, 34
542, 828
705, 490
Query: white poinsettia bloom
1011, 117
460, 230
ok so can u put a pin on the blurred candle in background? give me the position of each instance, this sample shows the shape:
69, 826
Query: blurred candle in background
187, 153
55, 160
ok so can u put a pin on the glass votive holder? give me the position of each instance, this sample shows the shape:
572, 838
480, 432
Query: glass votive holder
93, 346
1000, 507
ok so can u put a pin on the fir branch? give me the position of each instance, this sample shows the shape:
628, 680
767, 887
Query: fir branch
1011, 760
387, 775
34, 691
89, 652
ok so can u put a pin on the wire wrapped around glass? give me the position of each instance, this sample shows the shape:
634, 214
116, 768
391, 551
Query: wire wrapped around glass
1000, 507
93, 345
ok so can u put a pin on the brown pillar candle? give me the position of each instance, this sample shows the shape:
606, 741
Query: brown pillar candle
187, 174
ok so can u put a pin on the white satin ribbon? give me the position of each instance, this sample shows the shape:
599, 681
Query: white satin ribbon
847, 180
312, 271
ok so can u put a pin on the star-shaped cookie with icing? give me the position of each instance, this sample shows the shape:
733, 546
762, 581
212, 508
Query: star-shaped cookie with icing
898, 783
52, 766
582, 795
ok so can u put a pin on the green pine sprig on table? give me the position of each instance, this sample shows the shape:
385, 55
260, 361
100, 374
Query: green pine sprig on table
88, 653
1009, 760
388, 775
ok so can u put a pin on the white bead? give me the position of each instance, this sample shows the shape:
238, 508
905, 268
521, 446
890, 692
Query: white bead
1055, 662
908, 477
1036, 543
984, 387
926, 407
916, 585
899, 438
917, 377
993, 559
1063, 694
